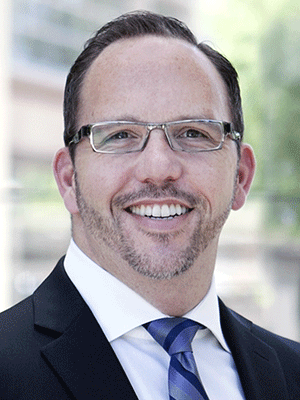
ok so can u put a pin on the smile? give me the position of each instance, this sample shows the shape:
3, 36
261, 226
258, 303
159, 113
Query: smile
159, 211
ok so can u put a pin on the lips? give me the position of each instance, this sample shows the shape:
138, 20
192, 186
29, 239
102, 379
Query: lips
159, 211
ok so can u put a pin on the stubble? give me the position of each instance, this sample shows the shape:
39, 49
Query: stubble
112, 233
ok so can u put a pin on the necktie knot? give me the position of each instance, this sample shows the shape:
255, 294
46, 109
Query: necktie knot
175, 335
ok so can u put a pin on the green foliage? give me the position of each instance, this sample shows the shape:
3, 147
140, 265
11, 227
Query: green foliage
280, 55
262, 39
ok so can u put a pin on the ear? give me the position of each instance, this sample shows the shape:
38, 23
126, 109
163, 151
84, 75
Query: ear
246, 169
63, 169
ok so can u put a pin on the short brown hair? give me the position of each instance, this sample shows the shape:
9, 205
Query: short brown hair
136, 24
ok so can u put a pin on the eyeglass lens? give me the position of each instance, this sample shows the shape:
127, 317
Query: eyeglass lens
185, 136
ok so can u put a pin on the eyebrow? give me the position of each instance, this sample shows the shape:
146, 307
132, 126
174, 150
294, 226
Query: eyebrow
130, 118
207, 115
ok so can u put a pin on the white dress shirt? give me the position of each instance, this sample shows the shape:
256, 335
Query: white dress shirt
121, 313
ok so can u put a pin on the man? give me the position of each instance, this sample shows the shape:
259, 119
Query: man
153, 164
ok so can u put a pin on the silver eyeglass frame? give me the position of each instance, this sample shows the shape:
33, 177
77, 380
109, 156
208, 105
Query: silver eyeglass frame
86, 131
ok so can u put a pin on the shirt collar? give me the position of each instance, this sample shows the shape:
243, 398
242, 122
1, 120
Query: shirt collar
118, 309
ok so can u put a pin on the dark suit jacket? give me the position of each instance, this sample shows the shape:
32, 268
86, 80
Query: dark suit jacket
51, 348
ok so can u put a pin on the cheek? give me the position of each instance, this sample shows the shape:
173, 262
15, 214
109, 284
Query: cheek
101, 179
215, 181
225, 185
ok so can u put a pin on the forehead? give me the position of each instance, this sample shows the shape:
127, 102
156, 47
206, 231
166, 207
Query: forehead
152, 78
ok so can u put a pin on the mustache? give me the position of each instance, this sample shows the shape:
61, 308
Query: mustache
154, 192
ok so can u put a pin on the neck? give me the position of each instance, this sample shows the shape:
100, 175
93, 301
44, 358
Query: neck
177, 296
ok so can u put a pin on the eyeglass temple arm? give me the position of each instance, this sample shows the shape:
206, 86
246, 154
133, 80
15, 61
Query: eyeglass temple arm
234, 135
84, 131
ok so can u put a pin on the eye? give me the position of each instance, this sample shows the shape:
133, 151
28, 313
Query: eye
120, 135
194, 134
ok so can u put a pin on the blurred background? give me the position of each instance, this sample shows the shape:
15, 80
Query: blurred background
258, 266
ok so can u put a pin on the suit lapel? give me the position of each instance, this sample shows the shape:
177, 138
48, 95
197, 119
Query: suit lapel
257, 363
80, 353
85, 361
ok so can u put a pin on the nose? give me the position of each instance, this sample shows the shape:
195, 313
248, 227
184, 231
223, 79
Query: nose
158, 163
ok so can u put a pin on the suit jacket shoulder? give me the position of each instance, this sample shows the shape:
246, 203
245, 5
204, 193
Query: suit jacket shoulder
51, 347
268, 364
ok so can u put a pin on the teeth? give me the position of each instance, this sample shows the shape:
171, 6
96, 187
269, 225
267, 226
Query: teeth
178, 209
157, 211
148, 211
165, 211
172, 209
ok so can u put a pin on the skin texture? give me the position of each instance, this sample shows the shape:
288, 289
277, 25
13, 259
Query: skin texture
168, 262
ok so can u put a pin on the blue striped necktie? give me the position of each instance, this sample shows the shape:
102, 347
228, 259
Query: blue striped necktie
175, 335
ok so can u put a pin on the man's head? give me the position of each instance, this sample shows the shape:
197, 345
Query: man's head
153, 215
139, 24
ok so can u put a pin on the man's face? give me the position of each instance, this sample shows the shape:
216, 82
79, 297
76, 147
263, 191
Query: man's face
152, 79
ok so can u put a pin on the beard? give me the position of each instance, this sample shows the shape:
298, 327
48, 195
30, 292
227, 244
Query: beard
165, 262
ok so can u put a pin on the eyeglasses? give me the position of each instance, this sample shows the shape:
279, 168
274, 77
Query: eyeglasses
192, 135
